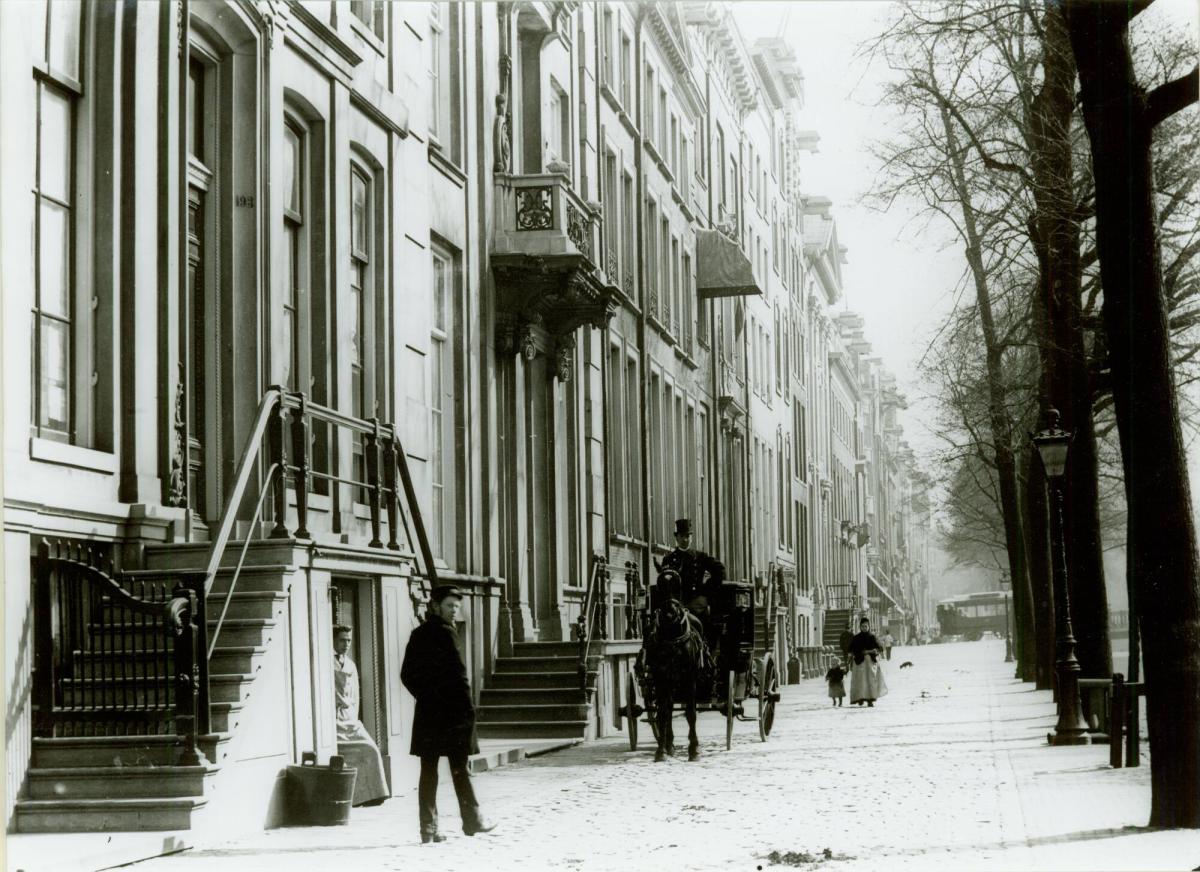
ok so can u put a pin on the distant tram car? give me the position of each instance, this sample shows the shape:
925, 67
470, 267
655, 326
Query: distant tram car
974, 614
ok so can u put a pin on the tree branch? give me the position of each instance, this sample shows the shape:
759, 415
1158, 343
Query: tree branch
1171, 97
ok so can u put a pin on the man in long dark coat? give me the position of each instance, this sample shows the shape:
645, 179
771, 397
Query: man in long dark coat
444, 721
700, 577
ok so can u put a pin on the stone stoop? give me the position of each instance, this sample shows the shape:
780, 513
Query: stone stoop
536, 694
836, 620
133, 783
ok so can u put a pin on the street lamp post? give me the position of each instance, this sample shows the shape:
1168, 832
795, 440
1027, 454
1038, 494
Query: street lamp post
1071, 729
1008, 649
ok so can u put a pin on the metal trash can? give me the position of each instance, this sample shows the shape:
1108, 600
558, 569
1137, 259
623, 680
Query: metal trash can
320, 795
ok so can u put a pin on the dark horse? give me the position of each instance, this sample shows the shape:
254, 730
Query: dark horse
676, 656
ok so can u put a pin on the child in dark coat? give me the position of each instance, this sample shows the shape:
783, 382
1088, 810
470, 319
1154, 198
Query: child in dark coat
837, 690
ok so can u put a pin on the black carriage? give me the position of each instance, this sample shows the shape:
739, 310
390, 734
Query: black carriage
744, 660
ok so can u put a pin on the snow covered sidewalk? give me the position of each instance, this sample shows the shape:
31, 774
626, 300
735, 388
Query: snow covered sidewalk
950, 771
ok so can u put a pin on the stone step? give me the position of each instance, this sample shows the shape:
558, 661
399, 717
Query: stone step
532, 729
95, 815
225, 716
118, 782
566, 695
543, 680
546, 649
117, 751
539, 664
545, 712
194, 555
241, 631
229, 687
231, 659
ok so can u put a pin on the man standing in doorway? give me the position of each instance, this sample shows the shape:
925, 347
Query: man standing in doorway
354, 742
444, 721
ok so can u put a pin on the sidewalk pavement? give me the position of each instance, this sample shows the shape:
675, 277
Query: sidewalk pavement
950, 771
51, 852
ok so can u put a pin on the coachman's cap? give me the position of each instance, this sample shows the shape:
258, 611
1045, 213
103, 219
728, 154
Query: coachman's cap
444, 590
683, 527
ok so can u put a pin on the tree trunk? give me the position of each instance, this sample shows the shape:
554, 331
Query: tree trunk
1162, 539
1006, 469
1064, 358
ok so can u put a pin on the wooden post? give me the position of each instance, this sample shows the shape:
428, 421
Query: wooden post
1116, 719
371, 450
389, 482
300, 451
1133, 749
275, 431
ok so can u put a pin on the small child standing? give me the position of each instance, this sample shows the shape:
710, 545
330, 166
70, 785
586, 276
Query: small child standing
837, 690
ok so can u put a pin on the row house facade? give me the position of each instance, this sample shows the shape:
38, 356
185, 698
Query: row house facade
329, 298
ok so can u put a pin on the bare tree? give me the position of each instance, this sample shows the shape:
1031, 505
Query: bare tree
1120, 116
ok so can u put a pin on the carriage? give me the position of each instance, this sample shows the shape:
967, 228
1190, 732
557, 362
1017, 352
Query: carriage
744, 657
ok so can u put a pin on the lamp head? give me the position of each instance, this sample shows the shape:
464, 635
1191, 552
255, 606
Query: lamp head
1052, 444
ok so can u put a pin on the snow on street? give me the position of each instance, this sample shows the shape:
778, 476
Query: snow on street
950, 771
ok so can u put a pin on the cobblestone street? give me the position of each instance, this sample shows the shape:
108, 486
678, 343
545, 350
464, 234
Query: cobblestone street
949, 771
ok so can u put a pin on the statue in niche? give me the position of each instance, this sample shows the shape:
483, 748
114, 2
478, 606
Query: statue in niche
500, 141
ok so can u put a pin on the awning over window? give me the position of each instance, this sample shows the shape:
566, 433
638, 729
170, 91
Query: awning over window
721, 268
879, 588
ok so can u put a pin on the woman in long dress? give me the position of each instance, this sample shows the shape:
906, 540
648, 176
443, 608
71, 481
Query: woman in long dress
866, 677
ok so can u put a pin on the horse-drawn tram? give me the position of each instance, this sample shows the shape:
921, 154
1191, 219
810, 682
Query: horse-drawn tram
692, 665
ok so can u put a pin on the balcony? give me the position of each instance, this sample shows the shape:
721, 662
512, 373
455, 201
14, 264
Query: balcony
545, 259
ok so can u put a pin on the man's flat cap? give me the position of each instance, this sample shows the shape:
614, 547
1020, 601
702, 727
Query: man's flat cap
444, 590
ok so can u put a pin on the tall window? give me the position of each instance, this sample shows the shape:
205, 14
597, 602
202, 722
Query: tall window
294, 172
616, 451
676, 308
444, 79
702, 473
662, 122
652, 257
626, 72
612, 230
61, 329
441, 407
664, 235
631, 460
370, 13
627, 242
560, 123
648, 99
361, 304
687, 301
609, 58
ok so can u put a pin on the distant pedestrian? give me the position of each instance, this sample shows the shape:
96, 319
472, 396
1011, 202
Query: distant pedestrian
888, 641
444, 721
834, 677
866, 678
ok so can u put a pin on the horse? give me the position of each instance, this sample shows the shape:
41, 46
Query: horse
676, 656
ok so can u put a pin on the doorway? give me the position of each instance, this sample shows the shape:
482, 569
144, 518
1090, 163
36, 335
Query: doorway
355, 604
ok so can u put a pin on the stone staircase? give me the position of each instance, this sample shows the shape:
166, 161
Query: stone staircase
536, 693
836, 620
128, 783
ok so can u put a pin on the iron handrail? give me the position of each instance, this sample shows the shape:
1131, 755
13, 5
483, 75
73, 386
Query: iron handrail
584, 624
237, 570
233, 499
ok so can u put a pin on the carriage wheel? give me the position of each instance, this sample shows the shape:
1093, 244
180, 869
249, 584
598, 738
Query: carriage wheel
632, 711
768, 693
729, 705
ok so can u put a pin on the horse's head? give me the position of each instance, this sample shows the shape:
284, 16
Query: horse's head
670, 621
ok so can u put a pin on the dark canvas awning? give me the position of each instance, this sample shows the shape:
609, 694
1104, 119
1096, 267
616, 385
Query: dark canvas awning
721, 268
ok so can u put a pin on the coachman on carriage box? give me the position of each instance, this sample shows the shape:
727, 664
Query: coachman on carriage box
698, 593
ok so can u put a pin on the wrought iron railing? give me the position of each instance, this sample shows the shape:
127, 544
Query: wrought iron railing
840, 596
112, 655
635, 600
127, 653
593, 615
529, 204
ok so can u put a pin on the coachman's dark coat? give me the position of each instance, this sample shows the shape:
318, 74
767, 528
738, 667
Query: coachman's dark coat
434, 673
